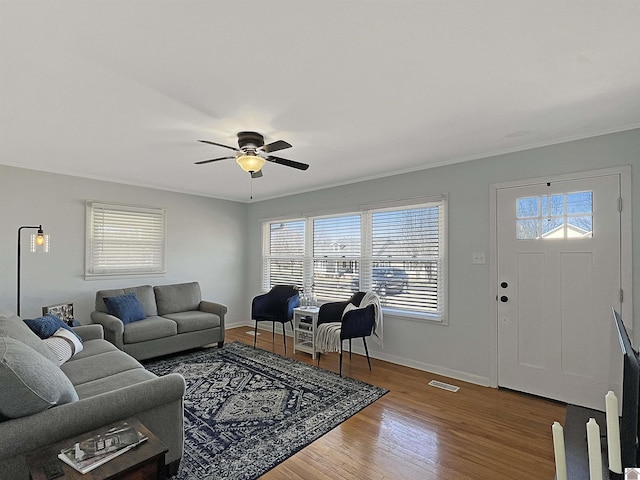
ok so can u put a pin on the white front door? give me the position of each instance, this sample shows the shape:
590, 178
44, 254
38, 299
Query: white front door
558, 267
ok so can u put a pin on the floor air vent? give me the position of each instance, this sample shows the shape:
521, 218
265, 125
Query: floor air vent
444, 386
252, 333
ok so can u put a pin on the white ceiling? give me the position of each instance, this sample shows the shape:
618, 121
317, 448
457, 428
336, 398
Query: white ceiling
122, 91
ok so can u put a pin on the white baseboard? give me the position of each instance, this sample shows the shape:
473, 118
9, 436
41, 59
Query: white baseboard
398, 360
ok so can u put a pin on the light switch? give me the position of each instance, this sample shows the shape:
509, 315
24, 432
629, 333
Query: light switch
478, 258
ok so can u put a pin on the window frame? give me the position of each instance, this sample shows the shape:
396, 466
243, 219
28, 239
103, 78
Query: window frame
158, 223
366, 260
267, 256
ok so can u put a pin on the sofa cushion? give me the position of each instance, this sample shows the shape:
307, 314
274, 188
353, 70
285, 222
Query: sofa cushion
30, 382
194, 321
180, 297
113, 382
100, 294
47, 325
94, 347
126, 307
149, 329
146, 297
12, 326
98, 366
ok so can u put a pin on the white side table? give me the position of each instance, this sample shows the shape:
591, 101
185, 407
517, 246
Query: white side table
305, 321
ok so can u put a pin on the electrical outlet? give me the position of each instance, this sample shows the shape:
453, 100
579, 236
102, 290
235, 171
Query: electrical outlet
478, 258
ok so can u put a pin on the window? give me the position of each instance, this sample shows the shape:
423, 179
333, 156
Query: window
407, 253
336, 256
399, 252
564, 215
124, 240
283, 253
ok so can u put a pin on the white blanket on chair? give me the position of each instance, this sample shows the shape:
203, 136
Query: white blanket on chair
328, 337
328, 334
370, 298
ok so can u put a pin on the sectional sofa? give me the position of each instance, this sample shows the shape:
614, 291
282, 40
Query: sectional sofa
45, 398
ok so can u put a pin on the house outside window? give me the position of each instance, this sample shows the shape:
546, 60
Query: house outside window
398, 251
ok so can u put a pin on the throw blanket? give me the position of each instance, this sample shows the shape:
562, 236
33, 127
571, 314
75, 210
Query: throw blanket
328, 334
328, 337
371, 298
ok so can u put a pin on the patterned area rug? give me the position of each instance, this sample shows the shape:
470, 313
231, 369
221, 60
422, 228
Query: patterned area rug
247, 410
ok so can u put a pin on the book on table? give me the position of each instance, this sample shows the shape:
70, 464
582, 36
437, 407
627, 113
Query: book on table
97, 450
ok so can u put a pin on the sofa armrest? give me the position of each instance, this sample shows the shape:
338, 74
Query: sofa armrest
25, 434
113, 327
90, 332
212, 307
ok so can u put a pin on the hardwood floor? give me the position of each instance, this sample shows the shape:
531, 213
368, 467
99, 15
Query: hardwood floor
421, 432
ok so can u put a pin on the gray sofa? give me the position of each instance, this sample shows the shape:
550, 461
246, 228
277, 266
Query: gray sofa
42, 403
177, 319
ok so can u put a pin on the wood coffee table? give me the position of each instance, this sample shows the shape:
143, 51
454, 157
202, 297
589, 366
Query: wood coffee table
144, 462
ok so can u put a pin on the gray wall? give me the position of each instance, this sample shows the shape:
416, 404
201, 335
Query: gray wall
463, 348
218, 242
206, 241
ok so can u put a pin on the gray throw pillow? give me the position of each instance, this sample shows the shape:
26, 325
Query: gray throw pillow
13, 327
30, 382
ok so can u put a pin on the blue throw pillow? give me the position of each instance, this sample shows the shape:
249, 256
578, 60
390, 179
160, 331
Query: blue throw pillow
126, 307
47, 325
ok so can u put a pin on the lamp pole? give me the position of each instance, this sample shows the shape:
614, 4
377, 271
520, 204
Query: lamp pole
40, 234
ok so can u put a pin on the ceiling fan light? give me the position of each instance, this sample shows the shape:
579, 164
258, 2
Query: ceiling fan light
250, 163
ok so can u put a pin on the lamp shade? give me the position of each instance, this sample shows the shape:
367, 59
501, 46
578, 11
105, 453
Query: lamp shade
39, 243
250, 163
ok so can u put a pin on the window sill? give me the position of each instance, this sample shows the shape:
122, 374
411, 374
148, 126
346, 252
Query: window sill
119, 276
415, 316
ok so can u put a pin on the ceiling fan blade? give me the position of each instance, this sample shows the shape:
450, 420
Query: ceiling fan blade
212, 160
275, 146
257, 174
218, 145
288, 163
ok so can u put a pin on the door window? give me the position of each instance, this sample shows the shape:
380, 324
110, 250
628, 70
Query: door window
563, 215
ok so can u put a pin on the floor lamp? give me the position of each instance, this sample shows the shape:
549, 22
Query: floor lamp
39, 243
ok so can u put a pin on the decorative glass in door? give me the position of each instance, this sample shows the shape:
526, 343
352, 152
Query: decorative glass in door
564, 215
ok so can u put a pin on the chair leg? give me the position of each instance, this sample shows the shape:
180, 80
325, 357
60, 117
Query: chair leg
255, 335
340, 358
284, 337
319, 355
366, 350
349, 349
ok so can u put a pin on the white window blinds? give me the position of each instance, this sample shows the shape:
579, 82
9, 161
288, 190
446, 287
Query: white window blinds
399, 251
336, 256
283, 253
124, 240
407, 258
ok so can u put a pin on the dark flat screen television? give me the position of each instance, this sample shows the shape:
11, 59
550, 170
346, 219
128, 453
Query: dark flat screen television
630, 415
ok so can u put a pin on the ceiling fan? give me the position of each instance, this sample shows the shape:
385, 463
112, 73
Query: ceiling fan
252, 153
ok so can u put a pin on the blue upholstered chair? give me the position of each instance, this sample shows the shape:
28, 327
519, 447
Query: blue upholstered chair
275, 306
356, 323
